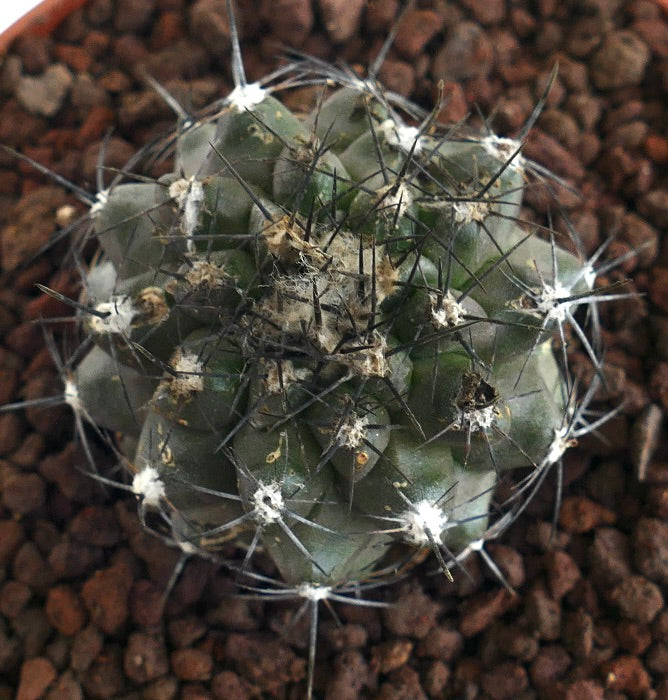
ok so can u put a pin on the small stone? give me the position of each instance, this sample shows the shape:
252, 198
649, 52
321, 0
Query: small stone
543, 614
467, 52
620, 61
132, 16
14, 596
505, 681
341, 18
146, 603
266, 663
45, 95
31, 568
510, 563
633, 637
105, 678
402, 683
637, 599
416, 30
627, 675
482, 609
96, 526
289, 21
441, 643
105, 596
227, 685
584, 690
191, 664
36, 676
436, 678
562, 573
23, 493
145, 657
66, 686
65, 610
86, 646
413, 614
579, 514
486, 11
650, 549
391, 655
656, 148
349, 675
545, 149
609, 556
578, 633
549, 666
657, 658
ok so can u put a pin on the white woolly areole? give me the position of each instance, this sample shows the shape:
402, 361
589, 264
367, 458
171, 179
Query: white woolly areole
101, 280
480, 419
467, 212
548, 303
353, 432
401, 136
120, 312
503, 149
421, 521
148, 486
189, 368
559, 445
101, 199
245, 97
449, 313
71, 394
189, 195
268, 502
589, 275
314, 592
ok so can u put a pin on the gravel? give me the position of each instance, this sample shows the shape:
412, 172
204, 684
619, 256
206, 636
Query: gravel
81, 609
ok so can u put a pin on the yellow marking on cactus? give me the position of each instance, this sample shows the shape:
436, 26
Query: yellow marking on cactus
256, 131
275, 454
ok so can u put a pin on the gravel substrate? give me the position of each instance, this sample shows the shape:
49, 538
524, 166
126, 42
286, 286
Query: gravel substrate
81, 583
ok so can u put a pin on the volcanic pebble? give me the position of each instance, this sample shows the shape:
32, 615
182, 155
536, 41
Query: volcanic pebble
627, 674
620, 61
36, 676
349, 675
550, 664
562, 573
65, 610
638, 599
580, 514
413, 614
226, 685
505, 681
482, 609
650, 549
543, 613
145, 657
86, 646
105, 596
191, 664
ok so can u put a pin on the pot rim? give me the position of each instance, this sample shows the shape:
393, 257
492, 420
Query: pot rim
40, 21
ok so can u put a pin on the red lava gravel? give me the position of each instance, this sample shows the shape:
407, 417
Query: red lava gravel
81, 584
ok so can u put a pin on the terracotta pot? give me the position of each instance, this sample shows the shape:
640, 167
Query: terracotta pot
40, 21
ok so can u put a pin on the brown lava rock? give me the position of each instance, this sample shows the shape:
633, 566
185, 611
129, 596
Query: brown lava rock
81, 611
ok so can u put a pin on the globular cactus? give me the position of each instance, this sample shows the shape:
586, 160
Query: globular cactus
330, 332
329, 335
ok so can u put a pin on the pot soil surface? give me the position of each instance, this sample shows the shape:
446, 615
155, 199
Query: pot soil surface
81, 583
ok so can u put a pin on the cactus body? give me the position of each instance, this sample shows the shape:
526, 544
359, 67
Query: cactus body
327, 334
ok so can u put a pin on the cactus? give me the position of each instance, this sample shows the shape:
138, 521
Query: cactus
329, 336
